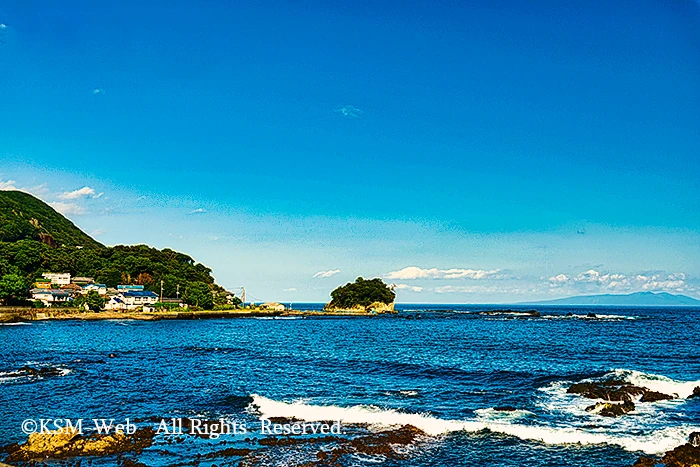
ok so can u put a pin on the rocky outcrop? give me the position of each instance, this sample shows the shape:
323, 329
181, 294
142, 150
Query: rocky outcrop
653, 396
696, 393
611, 409
517, 313
376, 307
62, 445
611, 390
687, 455
617, 394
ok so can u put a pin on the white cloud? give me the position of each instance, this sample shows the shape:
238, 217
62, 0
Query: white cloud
68, 209
329, 273
98, 91
559, 279
414, 272
3, 26
83, 192
593, 281
290, 289
197, 211
350, 111
9, 185
412, 288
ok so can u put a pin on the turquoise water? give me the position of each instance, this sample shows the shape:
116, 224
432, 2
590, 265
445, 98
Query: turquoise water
452, 368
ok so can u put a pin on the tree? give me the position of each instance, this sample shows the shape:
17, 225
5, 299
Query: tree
12, 288
92, 299
198, 294
361, 293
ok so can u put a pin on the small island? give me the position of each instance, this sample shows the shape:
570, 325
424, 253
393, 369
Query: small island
362, 296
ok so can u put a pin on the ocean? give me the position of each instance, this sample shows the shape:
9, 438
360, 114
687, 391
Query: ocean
440, 368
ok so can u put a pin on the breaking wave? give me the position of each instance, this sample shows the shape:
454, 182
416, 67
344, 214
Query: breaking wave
655, 442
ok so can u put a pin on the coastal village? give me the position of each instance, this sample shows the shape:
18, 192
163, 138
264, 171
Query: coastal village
60, 290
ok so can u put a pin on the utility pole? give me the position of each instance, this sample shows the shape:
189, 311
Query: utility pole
161, 290
243, 295
177, 294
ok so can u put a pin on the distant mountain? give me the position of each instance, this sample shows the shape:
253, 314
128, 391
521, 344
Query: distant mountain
632, 299
24, 217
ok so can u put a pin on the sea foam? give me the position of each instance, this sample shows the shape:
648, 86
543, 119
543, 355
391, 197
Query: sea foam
655, 442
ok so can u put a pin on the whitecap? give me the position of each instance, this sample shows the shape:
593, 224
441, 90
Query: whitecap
655, 442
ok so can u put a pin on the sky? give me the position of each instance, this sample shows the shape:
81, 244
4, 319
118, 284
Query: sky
467, 152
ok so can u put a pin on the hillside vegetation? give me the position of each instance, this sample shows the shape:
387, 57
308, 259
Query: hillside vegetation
24, 217
27, 252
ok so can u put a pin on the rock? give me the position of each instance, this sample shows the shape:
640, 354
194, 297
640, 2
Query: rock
505, 408
591, 315
43, 372
611, 390
653, 396
569, 314
607, 409
696, 393
61, 445
687, 455
683, 456
532, 313
694, 439
381, 443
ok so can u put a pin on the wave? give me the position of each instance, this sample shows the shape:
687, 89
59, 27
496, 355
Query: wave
663, 384
656, 442
15, 324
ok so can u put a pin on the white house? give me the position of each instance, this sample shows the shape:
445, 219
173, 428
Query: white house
50, 296
57, 278
99, 288
131, 300
273, 306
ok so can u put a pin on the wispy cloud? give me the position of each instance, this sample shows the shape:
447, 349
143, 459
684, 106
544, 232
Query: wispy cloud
98, 91
3, 26
414, 272
412, 288
330, 273
8, 185
350, 111
290, 289
68, 209
596, 281
83, 192
197, 211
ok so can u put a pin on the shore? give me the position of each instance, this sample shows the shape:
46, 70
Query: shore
72, 314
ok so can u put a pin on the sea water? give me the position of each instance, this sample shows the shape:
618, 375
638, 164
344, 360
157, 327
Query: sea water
441, 368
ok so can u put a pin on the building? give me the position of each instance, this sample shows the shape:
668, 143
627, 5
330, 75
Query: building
72, 288
57, 278
273, 306
137, 299
50, 296
115, 303
99, 288
82, 280
42, 284
129, 288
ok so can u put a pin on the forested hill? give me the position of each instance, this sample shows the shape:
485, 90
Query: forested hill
25, 250
24, 217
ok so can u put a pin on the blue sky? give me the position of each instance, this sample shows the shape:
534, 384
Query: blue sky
501, 151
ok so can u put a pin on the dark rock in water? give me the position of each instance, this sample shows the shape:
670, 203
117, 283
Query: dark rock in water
696, 393
611, 390
569, 314
607, 409
687, 455
381, 443
31, 371
653, 396
694, 439
57, 445
505, 408
532, 313
591, 315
